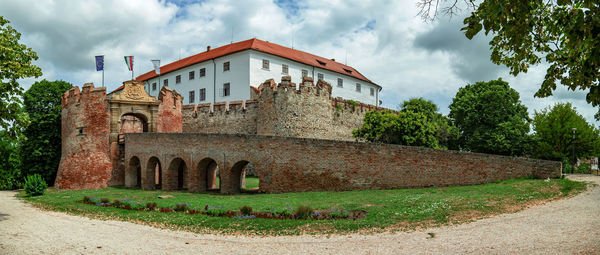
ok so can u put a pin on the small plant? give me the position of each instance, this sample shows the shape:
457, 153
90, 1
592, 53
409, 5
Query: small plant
216, 212
584, 169
339, 214
284, 212
352, 102
87, 199
151, 205
35, 185
117, 203
246, 210
104, 200
303, 212
181, 207
339, 108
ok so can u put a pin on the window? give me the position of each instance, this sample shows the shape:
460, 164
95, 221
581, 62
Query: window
192, 74
284, 69
321, 62
340, 82
320, 76
166, 83
358, 87
226, 66
348, 71
153, 86
177, 79
226, 90
202, 72
265, 64
202, 95
192, 96
372, 91
304, 73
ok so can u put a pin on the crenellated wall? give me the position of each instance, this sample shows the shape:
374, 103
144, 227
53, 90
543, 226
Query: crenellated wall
85, 162
284, 109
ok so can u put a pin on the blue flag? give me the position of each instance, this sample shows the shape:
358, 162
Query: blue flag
99, 63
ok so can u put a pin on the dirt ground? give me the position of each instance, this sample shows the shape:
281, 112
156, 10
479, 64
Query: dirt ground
568, 226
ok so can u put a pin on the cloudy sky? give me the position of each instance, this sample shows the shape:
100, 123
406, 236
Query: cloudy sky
385, 40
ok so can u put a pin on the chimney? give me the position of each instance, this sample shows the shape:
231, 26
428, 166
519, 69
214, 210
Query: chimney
208, 48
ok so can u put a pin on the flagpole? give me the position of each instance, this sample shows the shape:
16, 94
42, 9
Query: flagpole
103, 76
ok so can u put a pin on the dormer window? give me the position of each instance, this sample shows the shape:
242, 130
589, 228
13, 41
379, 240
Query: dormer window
348, 71
321, 62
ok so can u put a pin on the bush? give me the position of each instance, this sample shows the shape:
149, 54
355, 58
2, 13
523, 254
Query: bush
339, 214
567, 167
284, 212
246, 210
584, 168
216, 212
104, 200
181, 207
303, 212
117, 203
35, 185
151, 205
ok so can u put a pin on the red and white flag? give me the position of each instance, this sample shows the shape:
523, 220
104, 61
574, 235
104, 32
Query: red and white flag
129, 62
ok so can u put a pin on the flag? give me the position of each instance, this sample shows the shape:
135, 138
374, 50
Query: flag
99, 63
129, 62
156, 63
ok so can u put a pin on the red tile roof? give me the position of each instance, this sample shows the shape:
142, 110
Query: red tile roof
262, 46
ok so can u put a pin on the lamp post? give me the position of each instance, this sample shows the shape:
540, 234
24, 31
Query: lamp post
573, 146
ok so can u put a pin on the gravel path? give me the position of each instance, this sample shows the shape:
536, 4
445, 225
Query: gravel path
569, 226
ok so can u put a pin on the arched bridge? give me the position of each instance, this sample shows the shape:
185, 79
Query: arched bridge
189, 161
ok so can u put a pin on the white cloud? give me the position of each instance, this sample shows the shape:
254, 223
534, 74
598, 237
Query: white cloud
384, 40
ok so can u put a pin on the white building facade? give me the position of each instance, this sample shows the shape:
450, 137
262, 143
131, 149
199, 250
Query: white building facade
223, 75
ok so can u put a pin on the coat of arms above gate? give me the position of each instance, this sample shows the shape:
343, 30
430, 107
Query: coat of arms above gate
133, 91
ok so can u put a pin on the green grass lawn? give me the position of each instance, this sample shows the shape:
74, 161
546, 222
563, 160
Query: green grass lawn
400, 209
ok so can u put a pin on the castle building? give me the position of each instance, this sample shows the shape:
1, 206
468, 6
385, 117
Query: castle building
229, 72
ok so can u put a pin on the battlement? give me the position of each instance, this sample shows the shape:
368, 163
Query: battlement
355, 107
307, 87
74, 96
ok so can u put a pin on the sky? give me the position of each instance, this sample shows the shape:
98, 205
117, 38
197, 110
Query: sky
384, 40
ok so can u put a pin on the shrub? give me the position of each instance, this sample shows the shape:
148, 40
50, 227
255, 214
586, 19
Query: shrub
117, 203
284, 212
216, 212
151, 205
181, 207
352, 102
584, 168
303, 212
35, 185
567, 167
87, 200
104, 200
246, 210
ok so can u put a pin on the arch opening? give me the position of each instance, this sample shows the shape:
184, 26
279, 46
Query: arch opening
133, 123
133, 175
153, 178
178, 175
244, 178
209, 175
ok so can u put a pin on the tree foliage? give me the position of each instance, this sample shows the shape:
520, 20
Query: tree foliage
445, 133
405, 128
41, 150
553, 128
15, 63
10, 163
491, 119
562, 33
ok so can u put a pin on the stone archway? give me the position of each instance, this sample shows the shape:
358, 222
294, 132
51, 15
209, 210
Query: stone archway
133, 175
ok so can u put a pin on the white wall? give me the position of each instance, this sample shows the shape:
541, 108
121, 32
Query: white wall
246, 70
237, 76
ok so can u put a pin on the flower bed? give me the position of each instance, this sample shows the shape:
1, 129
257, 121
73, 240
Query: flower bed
246, 212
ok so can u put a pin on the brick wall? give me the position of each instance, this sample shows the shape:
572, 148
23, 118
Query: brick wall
85, 121
284, 109
286, 164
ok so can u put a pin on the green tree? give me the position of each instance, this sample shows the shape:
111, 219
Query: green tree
10, 173
41, 150
563, 33
15, 63
405, 128
446, 133
553, 128
491, 119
